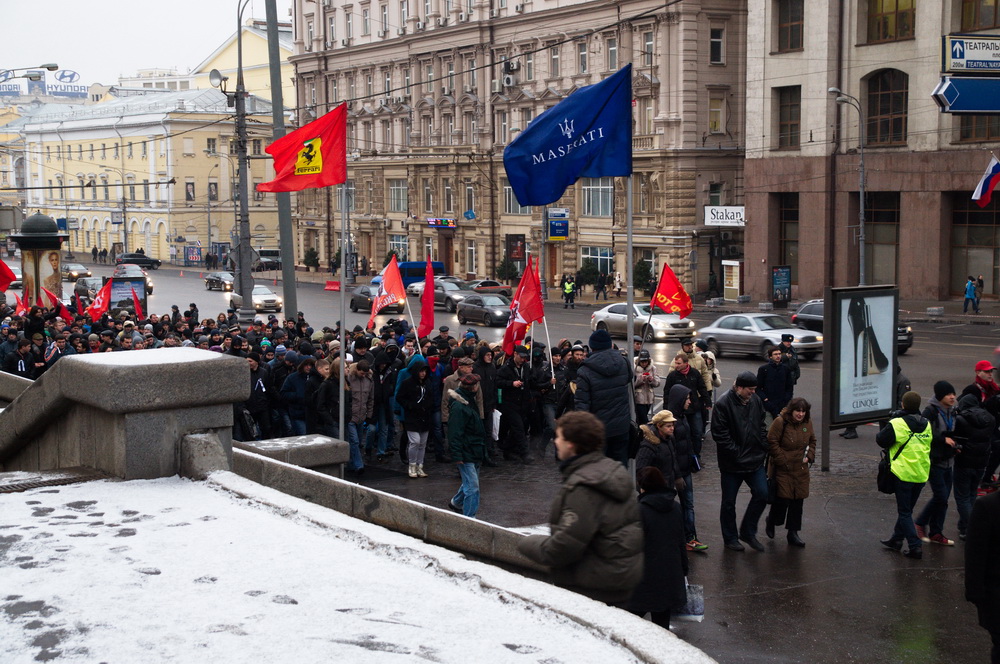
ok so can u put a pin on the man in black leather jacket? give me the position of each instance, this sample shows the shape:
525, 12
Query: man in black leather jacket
741, 442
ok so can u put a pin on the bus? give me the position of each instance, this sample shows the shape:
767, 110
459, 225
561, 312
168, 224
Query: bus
412, 271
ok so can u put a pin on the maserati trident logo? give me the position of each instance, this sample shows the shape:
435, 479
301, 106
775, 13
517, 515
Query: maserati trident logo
67, 76
5, 75
566, 127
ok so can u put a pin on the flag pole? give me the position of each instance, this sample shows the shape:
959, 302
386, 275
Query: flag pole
343, 305
629, 260
545, 322
410, 314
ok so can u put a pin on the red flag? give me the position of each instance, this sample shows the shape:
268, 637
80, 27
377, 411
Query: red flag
525, 308
6, 276
390, 291
21, 307
312, 156
101, 302
56, 303
670, 296
427, 303
138, 305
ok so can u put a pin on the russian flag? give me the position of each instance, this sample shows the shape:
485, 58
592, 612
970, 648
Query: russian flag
984, 190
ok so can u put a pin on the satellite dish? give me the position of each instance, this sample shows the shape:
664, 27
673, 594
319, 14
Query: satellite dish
216, 78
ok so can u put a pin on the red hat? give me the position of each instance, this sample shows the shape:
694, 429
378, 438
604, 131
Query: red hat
984, 365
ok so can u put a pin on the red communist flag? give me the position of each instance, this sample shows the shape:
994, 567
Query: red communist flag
525, 308
427, 303
137, 303
21, 307
100, 303
56, 303
7, 276
312, 156
670, 296
390, 291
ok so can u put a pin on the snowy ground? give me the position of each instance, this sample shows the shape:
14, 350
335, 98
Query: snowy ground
228, 571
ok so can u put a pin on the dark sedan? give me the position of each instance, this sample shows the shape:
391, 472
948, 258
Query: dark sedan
219, 280
809, 316
362, 297
449, 293
486, 309
142, 260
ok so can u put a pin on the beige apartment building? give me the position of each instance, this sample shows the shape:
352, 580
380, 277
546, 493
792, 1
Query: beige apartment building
437, 88
156, 172
922, 230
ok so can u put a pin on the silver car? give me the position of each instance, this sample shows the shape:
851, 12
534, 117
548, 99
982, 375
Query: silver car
753, 334
658, 327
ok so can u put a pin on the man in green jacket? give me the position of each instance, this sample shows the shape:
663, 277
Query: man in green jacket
467, 439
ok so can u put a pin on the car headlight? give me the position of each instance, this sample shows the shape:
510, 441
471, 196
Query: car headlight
909, 329
401, 301
819, 337
278, 301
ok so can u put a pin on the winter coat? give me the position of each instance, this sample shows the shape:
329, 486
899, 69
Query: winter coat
596, 544
487, 372
328, 407
401, 377
714, 369
451, 383
943, 421
602, 388
684, 449
774, 386
415, 399
384, 377
507, 375
973, 432
700, 397
313, 383
362, 396
657, 452
466, 435
982, 560
646, 378
293, 394
260, 380
665, 557
788, 444
738, 431
698, 364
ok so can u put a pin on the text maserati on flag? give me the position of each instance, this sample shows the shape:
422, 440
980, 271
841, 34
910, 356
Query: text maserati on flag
566, 127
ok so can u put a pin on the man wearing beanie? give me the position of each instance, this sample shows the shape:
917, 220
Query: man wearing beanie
602, 388
941, 412
907, 441
741, 444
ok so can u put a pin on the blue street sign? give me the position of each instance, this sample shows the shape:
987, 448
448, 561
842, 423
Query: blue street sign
469, 214
558, 230
968, 95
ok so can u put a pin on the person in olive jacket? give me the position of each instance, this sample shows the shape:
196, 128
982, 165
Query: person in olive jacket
596, 545
467, 440
792, 448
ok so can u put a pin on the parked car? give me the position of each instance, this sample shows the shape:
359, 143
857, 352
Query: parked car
266, 263
449, 293
86, 288
142, 260
490, 286
487, 309
809, 316
362, 297
131, 270
221, 280
753, 334
17, 283
73, 271
263, 299
658, 327
417, 287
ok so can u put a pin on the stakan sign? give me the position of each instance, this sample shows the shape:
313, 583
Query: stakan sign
724, 215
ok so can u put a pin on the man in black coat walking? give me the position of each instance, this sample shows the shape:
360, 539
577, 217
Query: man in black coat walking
775, 383
982, 566
603, 387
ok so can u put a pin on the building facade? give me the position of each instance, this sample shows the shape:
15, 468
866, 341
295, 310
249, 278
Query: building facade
156, 172
922, 230
437, 89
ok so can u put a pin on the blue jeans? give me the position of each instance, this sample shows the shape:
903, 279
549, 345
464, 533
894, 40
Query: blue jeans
757, 481
907, 494
697, 425
298, 427
934, 512
965, 306
687, 505
468, 494
966, 485
437, 434
353, 432
386, 429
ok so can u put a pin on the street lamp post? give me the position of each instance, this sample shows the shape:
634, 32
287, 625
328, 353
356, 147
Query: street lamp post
854, 102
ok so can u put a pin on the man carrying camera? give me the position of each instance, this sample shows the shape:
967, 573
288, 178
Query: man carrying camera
941, 412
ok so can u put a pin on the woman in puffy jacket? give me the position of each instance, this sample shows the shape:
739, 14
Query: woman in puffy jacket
646, 379
792, 449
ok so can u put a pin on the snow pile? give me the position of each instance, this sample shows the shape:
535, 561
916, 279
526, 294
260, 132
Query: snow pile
229, 571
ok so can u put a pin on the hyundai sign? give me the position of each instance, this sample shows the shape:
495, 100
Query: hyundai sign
63, 83
724, 215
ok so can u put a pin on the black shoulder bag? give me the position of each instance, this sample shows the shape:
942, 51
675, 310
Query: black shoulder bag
885, 480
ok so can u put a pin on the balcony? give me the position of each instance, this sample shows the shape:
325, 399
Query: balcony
647, 142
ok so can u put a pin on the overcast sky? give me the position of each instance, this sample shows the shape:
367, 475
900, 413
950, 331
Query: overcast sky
102, 40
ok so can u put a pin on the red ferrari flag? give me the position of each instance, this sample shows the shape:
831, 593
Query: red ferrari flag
56, 303
100, 303
7, 276
137, 303
525, 308
670, 296
427, 303
390, 291
312, 156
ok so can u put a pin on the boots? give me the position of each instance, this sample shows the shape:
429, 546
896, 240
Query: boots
420, 470
769, 527
794, 539
413, 471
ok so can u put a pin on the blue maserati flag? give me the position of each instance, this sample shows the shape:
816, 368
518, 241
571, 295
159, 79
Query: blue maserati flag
588, 134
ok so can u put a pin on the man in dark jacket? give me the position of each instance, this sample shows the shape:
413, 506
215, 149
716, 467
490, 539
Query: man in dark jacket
682, 373
741, 444
259, 402
789, 356
487, 372
982, 566
22, 361
513, 380
596, 545
467, 441
775, 384
941, 412
974, 429
603, 387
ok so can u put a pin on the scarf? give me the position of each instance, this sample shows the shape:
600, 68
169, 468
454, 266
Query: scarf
988, 388
685, 370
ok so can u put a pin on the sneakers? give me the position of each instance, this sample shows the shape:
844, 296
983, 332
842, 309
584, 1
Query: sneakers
695, 545
922, 533
454, 507
941, 539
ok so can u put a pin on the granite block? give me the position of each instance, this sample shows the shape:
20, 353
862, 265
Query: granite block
459, 533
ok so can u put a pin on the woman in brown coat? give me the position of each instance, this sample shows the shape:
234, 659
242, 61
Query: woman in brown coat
792, 449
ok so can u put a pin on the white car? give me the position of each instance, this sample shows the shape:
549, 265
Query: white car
658, 327
264, 299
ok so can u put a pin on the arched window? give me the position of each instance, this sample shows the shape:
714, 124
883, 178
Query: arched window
888, 93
